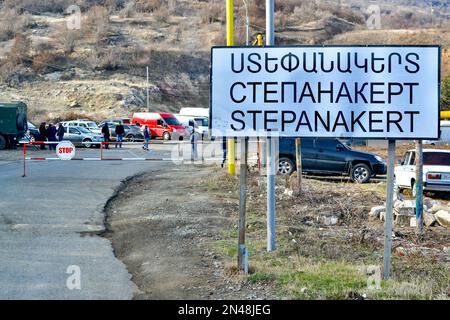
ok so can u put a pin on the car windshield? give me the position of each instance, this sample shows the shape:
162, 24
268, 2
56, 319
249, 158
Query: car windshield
172, 121
436, 158
92, 125
83, 130
202, 122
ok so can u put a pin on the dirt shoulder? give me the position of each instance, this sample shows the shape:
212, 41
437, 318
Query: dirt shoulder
163, 226
176, 232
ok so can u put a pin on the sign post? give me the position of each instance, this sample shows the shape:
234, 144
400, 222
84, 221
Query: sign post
389, 210
419, 186
271, 171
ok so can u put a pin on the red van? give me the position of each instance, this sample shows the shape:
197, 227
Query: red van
164, 125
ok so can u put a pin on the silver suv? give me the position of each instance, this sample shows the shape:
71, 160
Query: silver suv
81, 136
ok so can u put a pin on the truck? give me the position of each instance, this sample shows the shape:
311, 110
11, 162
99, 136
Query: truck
13, 123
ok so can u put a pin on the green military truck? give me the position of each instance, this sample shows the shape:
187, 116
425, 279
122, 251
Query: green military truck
13, 123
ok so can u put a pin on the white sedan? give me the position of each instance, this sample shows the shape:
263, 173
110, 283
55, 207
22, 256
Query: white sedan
436, 171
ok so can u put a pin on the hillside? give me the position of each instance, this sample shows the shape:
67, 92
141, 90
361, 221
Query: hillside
99, 71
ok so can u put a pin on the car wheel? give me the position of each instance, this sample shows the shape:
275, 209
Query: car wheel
2, 143
87, 143
166, 136
361, 173
130, 138
285, 166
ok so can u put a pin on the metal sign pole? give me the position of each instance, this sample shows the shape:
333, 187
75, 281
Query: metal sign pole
389, 210
270, 41
419, 186
242, 251
298, 162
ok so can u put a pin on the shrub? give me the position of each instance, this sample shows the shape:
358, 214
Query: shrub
44, 62
148, 5
12, 23
97, 22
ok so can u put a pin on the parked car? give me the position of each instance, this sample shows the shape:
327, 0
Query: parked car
190, 124
33, 132
329, 157
164, 125
116, 121
436, 171
90, 125
81, 136
132, 133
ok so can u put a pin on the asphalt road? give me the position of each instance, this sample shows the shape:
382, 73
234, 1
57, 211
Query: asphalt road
45, 220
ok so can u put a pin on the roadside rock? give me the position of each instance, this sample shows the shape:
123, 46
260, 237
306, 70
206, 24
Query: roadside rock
406, 208
328, 220
428, 219
438, 207
375, 211
402, 220
74, 104
443, 218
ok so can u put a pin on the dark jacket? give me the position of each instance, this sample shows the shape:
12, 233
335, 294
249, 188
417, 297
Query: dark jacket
146, 133
51, 133
120, 129
60, 131
105, 130
42, 132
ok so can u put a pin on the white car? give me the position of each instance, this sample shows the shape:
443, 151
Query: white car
436, 171
90, 125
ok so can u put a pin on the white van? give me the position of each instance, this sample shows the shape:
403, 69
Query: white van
201, 117
445, 134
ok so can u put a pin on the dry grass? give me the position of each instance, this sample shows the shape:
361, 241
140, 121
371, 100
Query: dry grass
315, 261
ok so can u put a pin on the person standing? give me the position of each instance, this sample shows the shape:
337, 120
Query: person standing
51, 136
147, 138
60, 132
120, 132
42, 134
105, 132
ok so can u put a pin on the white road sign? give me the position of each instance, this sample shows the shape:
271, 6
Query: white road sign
370, 92
65, 150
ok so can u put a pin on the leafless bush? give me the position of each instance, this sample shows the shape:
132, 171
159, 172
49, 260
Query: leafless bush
39, 6
68, 39
12, 23
212, 12
162, 15
97, 22
44, 62
149, 5
128, 11
104, 60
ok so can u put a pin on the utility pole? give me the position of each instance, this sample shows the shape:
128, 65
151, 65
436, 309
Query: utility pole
247, 24
419, 186
148, 96
231, 151
271, 171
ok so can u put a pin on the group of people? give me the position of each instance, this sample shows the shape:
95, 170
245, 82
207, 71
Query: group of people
51, 133
120, 133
